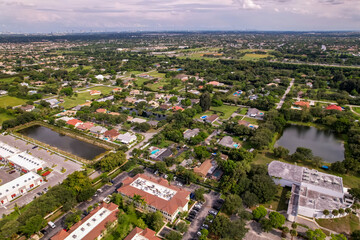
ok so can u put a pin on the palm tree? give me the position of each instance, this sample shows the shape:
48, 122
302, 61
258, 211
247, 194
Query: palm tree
293, 233
138, 200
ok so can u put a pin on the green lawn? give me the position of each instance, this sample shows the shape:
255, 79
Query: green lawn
83, 96
356, 109
155, 86
342, 225
11, 101
7, 80
253, 56
226, 110
243, 111
251, 120
156, 74
4, 117
74, 68
139, 81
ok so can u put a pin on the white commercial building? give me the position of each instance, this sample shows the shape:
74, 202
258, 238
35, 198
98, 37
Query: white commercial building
312, 191
6, 151
19, 186
25, 162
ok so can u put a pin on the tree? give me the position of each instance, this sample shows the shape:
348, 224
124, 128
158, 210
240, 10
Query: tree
139, 200
315, 234
155, 220
293, 233
338, 237
204, 234
250, 199
355, 192
205, 101
294, 225
33, 225
281, 152
355, 235
9, 229
201, 152
173, 236
112, 160
226, 229
259, 212
335, 212
264, 187
341, 211
276, 219
348, 210
182, 227
199, 194
266, 225
72, 218
326, 212
232, 204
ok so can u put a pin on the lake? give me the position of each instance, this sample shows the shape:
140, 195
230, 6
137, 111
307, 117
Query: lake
68, 144
323, 143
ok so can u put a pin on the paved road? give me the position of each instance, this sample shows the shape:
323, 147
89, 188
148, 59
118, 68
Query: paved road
282, 100
106, 190
147, 137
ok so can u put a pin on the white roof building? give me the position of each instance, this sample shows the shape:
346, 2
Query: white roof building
312, 191
127, 138
6, 150
138, 120
26, 162
19, 186
100, 77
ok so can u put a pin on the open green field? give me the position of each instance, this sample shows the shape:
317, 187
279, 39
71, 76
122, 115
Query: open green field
156, 74
7, 80
155, 86
4, 117
74, 68
84, 96
356, 109
11, 101
346, 224
251, 120
226, 110
253, 56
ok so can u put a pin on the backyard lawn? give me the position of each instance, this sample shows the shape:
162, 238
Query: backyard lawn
84, 96
345, 224
226, 110
4, 117
7, 80
11, 101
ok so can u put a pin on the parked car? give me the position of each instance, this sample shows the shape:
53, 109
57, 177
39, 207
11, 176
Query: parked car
198, 233
34, 147
12, 171
51, 224
213, 212
205, 226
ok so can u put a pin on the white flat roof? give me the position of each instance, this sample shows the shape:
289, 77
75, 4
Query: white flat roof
18, 183
153, 188
85, 228
26, 161
6, 150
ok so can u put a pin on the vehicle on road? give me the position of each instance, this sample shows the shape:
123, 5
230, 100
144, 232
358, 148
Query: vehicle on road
12, 171
51, 224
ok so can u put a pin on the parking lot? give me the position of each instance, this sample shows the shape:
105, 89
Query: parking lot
6, 176
212, 200
53, 161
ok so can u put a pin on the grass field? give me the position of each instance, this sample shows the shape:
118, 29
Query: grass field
251, 120
345, 224
156, 74
226, 110
84, 96
155, 86
356, 109
253, 56
4, 117
7, 80
74, 68
11, 101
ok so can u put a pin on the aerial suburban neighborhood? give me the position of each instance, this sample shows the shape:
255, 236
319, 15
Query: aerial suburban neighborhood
180, 135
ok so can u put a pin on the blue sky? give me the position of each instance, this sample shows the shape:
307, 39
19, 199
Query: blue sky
31, 16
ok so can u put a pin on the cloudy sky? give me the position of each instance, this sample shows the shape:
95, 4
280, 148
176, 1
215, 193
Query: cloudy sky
31, 16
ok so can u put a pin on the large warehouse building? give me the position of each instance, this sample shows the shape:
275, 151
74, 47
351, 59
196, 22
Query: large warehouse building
25, 162
6, 151
18, 187
158, 195
311, 191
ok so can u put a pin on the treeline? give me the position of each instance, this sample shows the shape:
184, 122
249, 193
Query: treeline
74, 189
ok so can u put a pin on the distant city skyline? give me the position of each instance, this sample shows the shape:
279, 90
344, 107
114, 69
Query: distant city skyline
45, 16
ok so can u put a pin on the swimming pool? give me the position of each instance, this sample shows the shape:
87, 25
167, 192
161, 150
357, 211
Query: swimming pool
236, 145
203, 117
154, 151
106, 139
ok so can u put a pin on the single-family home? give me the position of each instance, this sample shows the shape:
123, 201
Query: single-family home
75, 122
85, 126
254, 112
98, 130
303, 104
334, 107
27, 108
189, 133
228, 141
211, 119
126, 138
112, 134
94, 92
101, 110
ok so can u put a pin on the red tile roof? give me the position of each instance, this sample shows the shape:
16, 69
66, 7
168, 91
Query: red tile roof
73, 122
204, 168
334, 107
302, 104
101, 110
85, 126
98, 229
180, 199
177, 108
111, 133
147, 233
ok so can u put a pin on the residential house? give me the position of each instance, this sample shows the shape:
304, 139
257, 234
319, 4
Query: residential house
101, 110
204, 168
75, 122
177, 108
98, 130
126, 138
111, 134
211, 119
53, 102
94, 92
27, 108
153, 123
228, 141
85, 126
3, 92
189, 133
302, 104
253, 112
334, 107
